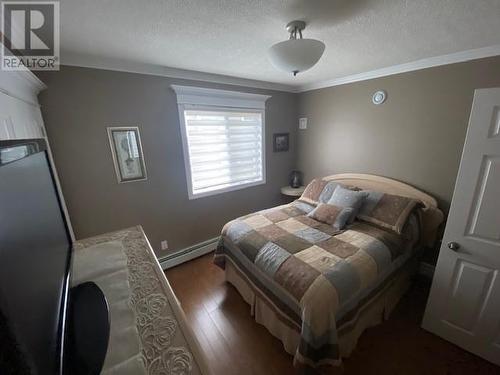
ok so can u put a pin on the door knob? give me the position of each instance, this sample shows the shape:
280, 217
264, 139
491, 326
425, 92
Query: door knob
453, 246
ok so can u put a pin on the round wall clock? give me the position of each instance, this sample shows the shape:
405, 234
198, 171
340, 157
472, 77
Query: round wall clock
379, 97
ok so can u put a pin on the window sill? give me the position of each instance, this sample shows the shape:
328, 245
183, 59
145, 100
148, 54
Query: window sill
225, 190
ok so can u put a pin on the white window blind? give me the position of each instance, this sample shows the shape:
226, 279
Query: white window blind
223, 139
225, 149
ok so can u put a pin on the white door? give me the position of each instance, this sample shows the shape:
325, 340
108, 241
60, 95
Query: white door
464, 302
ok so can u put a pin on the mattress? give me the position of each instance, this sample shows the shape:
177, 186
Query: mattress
314, 277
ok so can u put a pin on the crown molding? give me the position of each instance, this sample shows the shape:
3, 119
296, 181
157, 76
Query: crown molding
73, 59
85, 61
21, 84
451, 58
30, 79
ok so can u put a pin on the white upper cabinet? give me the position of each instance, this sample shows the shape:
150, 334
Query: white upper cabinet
20, 116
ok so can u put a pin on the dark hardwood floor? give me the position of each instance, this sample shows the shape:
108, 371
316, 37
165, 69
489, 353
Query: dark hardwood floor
235, 344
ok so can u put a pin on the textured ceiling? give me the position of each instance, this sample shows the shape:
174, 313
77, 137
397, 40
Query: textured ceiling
231, 37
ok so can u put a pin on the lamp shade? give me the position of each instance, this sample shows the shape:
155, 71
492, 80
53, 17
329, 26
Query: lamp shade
296, 55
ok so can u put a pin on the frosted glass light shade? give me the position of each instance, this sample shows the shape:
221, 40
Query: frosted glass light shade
296, 55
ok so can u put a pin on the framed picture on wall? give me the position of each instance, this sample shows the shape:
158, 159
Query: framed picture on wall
280, 142
126, 150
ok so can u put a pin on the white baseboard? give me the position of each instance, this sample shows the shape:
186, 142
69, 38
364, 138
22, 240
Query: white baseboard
426, 270
188, 253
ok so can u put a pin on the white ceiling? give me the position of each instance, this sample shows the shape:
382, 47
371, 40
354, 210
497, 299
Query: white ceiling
231, 37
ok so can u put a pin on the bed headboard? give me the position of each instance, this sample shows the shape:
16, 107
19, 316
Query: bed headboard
431, 215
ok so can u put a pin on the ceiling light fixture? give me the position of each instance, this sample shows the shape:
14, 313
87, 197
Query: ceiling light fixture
296, 54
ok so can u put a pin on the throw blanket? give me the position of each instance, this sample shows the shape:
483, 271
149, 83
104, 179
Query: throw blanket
312, 273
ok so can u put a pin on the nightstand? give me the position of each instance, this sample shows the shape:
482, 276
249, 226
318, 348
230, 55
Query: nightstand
292, 192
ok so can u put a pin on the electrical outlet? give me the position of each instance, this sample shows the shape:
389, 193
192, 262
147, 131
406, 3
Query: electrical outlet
303, 123
164, 245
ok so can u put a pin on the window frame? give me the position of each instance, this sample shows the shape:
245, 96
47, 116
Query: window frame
193, 98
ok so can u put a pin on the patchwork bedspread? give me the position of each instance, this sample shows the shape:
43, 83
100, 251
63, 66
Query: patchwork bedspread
312, 273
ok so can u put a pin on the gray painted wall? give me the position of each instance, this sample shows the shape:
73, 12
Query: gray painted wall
78, 106
417, 136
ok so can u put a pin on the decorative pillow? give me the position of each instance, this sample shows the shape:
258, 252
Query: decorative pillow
320, 190
333, 215
327, 192
387, 210
343, 197
313, 191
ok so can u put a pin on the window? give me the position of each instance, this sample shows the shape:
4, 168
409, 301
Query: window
223, 144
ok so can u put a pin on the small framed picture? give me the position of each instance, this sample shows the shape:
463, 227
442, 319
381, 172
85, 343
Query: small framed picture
126, 149
280, 142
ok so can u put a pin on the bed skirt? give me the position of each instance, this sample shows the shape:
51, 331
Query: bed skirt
372, 312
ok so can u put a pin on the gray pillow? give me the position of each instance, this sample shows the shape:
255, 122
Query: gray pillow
343, 197
327, 192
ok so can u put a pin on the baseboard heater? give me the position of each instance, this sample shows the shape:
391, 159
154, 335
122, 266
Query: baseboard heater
189, 253
202, 248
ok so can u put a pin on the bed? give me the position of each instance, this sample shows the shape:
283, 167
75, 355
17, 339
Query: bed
317, 288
